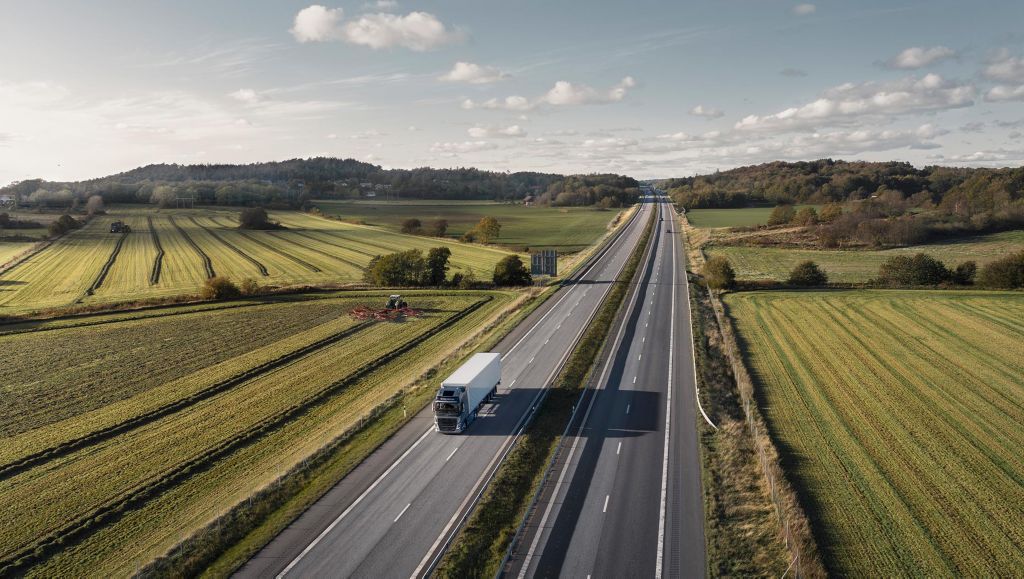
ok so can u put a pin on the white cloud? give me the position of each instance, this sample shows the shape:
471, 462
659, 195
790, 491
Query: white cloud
367, 134
847, 101
1005, 67
245, 95
317, 23
456, 148
563, 94
1003, 93
381, 5
473, 73
804, 9
417, 31
488, 132
708, 112
413, 128
919, 57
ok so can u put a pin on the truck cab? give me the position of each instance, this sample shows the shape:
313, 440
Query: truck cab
449, 406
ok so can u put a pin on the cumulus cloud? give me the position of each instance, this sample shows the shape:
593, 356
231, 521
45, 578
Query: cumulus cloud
473, 73
317, 23
245, 95
707, 112
455, 148
847, 101
417, 31
919, 57
1003, 93
804, 9
1005, 67
563, 94
488, 132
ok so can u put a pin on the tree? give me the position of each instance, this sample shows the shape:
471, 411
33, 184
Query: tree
830, 212
436, 271
62, 225
511, 271
94, 206
163, 196
1007, 273
963, 274
255, 218
404, 268
807, 274
219, 288
806, 216
719, 274
781, 215
921, 269
487, 229
412, 225
439, 228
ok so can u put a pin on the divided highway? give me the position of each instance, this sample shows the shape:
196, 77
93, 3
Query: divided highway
624, 499
394, 515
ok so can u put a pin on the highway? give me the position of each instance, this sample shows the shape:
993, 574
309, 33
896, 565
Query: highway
624, 499
397, 511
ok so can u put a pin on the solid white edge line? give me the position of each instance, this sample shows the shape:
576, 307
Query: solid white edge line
572, 450
659, 566
358, 500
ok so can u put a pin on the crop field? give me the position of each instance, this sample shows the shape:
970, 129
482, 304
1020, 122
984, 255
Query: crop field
132, 430
565, 229
172, 252
773, 263
899, 416
11, 249
743, 217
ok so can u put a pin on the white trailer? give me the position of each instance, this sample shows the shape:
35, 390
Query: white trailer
461, 394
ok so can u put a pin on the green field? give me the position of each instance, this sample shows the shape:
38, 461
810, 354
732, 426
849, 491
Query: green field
89, 266
167, 417
745, 217
11, 249
899, 416
565, 229
770, 263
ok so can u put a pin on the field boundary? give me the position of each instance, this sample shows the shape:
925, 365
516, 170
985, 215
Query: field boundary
315, 250
262, 268
281, 252
43, 456
304, 233
154, 275
88, 523
102, 275
793, 522
207, 264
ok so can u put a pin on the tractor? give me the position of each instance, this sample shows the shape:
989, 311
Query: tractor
395, 302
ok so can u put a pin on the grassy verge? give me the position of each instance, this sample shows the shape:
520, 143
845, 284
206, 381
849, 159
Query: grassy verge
479, 548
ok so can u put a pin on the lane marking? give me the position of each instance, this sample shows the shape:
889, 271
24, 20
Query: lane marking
403, 512
452, 454
605, 509
627, 409
619, 448
640, 355
634, 379
355, 503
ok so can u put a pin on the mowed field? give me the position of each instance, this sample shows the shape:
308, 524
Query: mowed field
744, 217
899, 416
565, 229
770, 263
172, 252
124, 433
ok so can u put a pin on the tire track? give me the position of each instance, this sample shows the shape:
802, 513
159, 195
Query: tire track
17, 563
320, 251
335, 244
102, 275
207, 264
43, 456
233, 247
280, 252
154, 276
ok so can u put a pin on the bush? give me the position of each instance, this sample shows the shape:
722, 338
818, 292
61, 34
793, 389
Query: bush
405, 268
903, 271
806, 216
412, 225
219, 288
781, 215
249, 287
807, 274
511, 271
830, 212
1007, 272
439, 228
62, 225
255, 218
719, 274
964, 273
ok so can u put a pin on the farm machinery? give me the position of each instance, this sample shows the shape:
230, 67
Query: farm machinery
396, 308
120, 227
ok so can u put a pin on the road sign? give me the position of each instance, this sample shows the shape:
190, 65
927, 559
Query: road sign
544, 262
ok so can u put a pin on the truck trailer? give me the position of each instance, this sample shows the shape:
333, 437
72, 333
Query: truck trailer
461, 394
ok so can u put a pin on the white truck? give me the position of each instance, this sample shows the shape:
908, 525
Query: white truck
462, 393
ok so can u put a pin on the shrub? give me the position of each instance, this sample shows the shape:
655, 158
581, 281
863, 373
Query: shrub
719, 274
964, 273
1007, 272
255, 218
781, 215
511, 271
219, 288
806, 216
830, 212
62, 225
249, 287
439, 228
807, 274
487, 229
405, 268
412, 225
921, 269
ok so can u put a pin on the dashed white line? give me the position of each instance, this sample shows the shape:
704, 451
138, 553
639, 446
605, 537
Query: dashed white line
638, 356
619, 448
604, 510
403, 512
452, 454
634, 379
627, 408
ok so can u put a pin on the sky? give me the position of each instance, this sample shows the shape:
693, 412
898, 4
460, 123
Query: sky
646, 88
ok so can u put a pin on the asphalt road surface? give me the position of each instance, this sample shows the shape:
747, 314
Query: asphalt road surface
394, 514
625, 497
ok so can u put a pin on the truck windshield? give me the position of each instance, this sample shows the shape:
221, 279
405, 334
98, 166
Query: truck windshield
448, 407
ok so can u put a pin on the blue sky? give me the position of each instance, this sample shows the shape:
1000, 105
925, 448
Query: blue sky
646, 88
